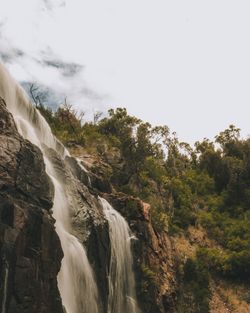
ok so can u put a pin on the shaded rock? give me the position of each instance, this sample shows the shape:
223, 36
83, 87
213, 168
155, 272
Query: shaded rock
78, 172
88, 223
98, 249
30, 250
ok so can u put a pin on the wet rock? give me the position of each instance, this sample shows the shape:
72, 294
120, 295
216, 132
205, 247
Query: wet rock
30, 250
88, 223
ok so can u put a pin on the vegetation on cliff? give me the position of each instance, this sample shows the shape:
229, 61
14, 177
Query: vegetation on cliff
206, 186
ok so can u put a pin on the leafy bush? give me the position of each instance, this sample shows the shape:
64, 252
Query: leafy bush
196, 280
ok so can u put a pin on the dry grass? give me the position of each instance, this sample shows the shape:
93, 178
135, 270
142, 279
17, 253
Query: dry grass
228, 298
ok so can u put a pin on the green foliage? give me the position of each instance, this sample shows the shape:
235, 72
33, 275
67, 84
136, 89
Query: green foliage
149, 279
234, 260
196, 281
160, 220
154, 169
65, 123
228, 138
208, 184
181, 191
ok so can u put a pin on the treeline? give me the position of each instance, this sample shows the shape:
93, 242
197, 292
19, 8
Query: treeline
206, 185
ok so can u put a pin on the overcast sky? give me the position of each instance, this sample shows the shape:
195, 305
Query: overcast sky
184, 63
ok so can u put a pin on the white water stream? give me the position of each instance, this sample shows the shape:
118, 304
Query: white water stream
75, 280
122, 296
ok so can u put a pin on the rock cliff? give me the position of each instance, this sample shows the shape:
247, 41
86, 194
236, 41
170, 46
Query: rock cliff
155, 258
31, 253
30, 250
154, 255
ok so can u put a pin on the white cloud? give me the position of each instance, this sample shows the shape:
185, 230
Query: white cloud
183, 63
28, 48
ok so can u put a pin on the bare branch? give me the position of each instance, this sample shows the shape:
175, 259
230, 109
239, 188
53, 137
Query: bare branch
97, 116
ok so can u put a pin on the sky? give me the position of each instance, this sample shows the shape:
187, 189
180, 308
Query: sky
181, 63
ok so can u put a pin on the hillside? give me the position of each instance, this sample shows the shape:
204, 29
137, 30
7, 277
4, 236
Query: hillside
198, 197
118, 216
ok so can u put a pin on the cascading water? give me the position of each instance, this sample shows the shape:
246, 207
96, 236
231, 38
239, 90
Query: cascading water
75, 280
122, 296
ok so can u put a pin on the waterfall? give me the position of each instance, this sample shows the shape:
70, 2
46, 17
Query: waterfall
75, 279
122, 296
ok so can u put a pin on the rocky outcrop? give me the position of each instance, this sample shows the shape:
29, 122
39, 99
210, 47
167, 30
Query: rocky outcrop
30, 250
155, 258
88, 222
154, 255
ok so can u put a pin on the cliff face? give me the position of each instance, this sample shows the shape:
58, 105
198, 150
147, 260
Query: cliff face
154, 255
155, 258
88, 222
30, 249
172, 271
